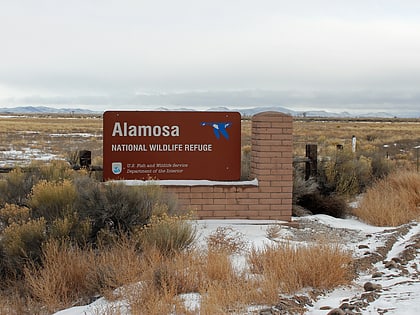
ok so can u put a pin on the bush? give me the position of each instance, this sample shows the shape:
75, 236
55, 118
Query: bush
226, 239
169, 234
55, 170
345, 174
117, 207
301, 186
20, 244
52, 200
381, 167
16, 187
70, 228
11, 213
332, 205
392, 201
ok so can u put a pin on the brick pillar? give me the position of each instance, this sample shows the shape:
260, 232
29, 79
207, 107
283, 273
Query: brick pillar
272, 160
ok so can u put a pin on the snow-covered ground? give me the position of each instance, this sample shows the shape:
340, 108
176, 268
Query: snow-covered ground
400, 293
22, 156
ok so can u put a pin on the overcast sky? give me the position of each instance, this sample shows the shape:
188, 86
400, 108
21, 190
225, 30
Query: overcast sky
358, 55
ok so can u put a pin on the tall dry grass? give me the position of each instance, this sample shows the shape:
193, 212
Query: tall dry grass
152, 282
320, 266
70, 275
392, 201
62, 279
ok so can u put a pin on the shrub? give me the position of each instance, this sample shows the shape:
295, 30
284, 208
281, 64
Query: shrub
70, 228
332, 205
52, 200
16, 187
392, 201
169, 234
345, 174
381, 167
12, 213
226, 239
301, 186
117, 207
21, 244
55, 170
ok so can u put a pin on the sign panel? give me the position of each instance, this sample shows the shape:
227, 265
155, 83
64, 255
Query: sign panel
171, 145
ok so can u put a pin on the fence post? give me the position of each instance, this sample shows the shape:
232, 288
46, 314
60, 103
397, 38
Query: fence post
311, 166
85, 158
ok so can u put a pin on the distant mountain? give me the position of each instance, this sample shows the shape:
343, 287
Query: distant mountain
244, 111
44, 110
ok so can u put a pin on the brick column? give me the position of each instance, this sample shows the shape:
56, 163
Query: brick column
272, 160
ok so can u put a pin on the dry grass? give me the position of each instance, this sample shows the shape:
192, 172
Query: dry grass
367, 131
70, 275
53, 134
392, 201
154, 283
62, 135
319, 266
62, 279
224, 288
273, 231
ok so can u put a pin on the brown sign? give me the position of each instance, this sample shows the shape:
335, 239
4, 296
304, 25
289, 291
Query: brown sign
172, 145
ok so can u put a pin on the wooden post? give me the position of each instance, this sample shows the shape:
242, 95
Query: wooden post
85, 158
311, 166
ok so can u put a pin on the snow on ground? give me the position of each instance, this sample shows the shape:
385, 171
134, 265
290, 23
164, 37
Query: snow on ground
24, 155
74, 134
400, 292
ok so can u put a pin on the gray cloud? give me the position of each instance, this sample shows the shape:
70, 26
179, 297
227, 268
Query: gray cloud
294, 53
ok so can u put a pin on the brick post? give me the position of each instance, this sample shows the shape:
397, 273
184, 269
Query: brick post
272, 160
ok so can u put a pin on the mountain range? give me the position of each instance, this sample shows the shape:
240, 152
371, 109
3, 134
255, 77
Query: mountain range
243, 111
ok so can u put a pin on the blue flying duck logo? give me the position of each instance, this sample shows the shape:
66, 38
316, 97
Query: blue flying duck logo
219, 128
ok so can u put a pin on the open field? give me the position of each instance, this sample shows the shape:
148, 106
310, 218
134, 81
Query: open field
24, 138
395, 138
